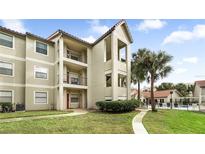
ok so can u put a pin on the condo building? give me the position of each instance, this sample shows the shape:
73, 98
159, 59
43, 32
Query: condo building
63, 71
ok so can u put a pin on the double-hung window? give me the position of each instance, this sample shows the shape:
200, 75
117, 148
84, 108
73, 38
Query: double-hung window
5, 96
41, 97
75, 98
6, 40
41, 48
40, 72
6, 68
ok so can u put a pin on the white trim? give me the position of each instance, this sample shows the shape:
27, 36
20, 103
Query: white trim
13, 47
26, 85
35, 97
108, 71
42, 43
12, 57
34, 72
39, 61
12, 93
13, 69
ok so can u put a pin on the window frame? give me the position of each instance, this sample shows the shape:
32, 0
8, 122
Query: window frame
35, 43
34, 94
12, 94
75, 94
13, 41
34, 72
106, 80
13, 69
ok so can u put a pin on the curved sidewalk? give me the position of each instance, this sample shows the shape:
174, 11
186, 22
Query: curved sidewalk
74, 113
137, 125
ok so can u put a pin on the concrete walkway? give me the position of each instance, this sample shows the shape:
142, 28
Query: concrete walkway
137, 123
74, 113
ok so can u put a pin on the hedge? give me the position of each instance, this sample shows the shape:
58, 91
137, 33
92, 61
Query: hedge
118, 106
6, 107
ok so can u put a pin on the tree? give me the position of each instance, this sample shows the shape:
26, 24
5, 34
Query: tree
138, 73
156, 66
165, 86
184, 89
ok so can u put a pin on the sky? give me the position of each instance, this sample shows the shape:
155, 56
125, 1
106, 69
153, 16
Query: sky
183, 39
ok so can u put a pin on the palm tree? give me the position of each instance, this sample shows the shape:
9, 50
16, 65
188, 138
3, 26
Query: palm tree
138, 73
157, 66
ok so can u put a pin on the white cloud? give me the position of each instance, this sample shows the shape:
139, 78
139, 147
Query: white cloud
181, 70
89, 39
180, 36
14, 24
97, 27
151, 24
192, 60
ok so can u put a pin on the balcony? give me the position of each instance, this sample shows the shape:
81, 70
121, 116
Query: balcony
74, 58
74, 82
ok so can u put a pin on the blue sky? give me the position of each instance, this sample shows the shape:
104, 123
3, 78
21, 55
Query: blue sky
183, 39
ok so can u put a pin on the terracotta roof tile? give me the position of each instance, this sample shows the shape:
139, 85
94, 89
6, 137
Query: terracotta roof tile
201, 83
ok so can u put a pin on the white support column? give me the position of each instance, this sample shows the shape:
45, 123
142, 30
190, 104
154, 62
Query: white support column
114, 57
128, 71
199, 97
61, 101
90, 102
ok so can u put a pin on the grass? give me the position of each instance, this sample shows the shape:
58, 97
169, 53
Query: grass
174, 122
29, 114
90, 123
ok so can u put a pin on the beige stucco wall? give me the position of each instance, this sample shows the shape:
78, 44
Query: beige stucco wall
27, 58
18, 50
30, 104
33, 84
18, 93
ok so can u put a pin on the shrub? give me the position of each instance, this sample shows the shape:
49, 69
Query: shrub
118, 106
6, 107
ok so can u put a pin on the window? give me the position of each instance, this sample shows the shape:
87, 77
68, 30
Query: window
6, 68
108, 80
5, 96
40, 72
41, 97
75, 98
41, 48
161, 100
6, 40
74, 80
122, 80
122, 51
108, 48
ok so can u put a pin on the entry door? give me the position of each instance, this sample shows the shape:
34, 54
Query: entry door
75, 101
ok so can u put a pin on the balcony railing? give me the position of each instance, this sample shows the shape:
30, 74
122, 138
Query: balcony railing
74, 80
74, 56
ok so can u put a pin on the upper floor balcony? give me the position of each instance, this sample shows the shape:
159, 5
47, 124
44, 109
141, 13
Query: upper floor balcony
75, 58
74, 81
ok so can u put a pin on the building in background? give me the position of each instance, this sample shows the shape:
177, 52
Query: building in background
160, 96
199, 91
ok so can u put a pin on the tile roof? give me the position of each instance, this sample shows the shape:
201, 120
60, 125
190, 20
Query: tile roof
11, 31
39, 38
157, 94
201, 83
98, 40
48, 40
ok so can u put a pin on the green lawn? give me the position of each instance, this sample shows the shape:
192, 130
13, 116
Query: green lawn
90, 123
29, 114
174, 122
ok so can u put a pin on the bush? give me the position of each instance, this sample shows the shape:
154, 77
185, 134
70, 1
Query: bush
118, 106
6, 107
